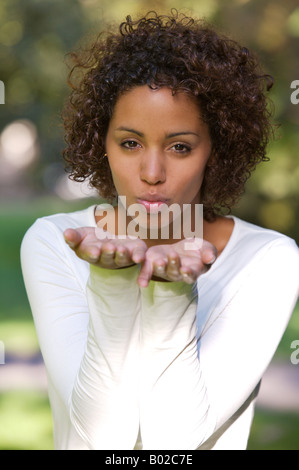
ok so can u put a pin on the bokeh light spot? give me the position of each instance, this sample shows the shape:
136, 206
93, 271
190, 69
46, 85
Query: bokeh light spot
18, 143
293, 23
11, 33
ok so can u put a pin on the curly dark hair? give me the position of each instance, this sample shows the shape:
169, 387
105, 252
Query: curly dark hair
185, 55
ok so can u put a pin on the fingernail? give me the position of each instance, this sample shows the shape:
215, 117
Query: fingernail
160, 269
108, 253
93, 258
70, 244
188, 279
212, 260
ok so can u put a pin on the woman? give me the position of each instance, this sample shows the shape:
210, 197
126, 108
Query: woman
152, 341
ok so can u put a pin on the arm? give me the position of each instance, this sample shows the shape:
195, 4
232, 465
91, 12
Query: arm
186, 399
104, 404
174, 406
240, 339
85, 337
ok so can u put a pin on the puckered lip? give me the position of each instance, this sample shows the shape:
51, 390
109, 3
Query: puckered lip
152, 198
152, 203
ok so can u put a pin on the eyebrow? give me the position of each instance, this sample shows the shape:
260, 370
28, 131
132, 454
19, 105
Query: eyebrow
127, 129
140, 134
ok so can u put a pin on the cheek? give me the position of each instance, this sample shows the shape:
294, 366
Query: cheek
190, 184
193, 180
121, 175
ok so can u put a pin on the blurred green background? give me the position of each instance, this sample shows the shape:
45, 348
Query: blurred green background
35, 35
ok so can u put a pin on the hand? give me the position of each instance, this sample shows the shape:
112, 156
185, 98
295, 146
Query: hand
111, 253
181, 261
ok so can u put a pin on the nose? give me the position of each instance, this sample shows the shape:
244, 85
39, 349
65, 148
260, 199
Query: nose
152, 168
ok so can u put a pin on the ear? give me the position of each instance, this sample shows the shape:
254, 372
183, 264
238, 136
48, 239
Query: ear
212, 158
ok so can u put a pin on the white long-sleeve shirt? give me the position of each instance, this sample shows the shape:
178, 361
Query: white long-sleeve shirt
170, 366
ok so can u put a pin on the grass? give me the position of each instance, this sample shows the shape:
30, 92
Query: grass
274, 431
25, 416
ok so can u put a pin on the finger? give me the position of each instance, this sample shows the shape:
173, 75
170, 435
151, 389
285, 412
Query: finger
138, 254
107, 255
145, 273
72, 237
173, 266
160, 269
121, 257
188, 275
208, 253
91, 254
76, 238
188, 278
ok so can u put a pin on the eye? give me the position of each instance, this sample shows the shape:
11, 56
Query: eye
130, 144
181, 148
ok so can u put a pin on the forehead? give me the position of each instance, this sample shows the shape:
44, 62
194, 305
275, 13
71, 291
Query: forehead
143, 103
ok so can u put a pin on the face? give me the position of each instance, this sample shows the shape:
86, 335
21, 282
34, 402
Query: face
157, 147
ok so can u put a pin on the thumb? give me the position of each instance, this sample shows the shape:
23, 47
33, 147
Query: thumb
208, 253
74, 237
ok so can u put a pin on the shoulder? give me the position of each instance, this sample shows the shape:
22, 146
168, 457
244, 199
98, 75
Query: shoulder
53, 226
257, 264
47, 233
254, 249
62, 221
254, 241
263, 254
44, 251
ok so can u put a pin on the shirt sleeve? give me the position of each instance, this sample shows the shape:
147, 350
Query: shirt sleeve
87, 335
58, 303
189, 391
174, 406
241, 337
104, 403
